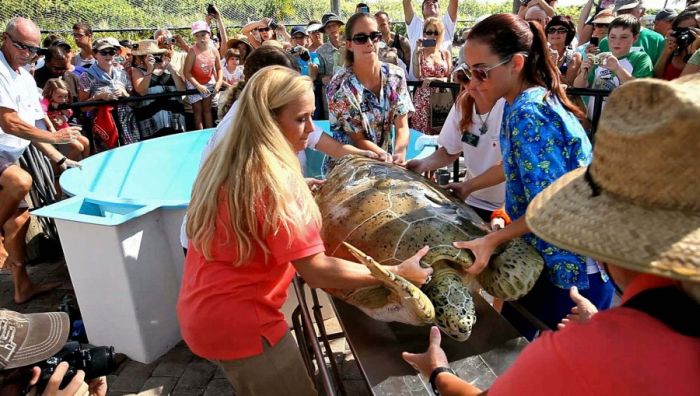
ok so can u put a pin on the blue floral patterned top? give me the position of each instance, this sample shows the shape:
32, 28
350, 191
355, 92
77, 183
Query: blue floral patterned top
354, 109
540, 142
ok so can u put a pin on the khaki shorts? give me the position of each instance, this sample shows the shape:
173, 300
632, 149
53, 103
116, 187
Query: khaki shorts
279, 370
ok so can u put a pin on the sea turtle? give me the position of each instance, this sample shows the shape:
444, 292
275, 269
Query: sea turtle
388, 213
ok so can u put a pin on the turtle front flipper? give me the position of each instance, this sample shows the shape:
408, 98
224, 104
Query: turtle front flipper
414, 304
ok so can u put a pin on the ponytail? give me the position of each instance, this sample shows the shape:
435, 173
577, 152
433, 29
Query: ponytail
466, 106
540, 69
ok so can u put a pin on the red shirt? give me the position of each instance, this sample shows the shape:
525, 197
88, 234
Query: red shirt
621, 351
225, 310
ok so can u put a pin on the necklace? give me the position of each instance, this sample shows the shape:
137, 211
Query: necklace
484, 122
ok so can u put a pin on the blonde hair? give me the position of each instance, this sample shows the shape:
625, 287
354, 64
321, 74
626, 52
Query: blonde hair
437, 23
255, 172
52, 85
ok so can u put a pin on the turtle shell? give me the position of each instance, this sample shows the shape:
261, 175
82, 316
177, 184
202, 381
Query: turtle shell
389, 213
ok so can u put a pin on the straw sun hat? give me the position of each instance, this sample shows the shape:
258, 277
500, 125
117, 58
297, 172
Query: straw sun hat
638, 206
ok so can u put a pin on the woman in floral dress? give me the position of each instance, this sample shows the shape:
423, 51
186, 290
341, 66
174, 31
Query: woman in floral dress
430, 63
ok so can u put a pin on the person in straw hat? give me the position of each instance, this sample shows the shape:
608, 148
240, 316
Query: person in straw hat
152, 73
636, 208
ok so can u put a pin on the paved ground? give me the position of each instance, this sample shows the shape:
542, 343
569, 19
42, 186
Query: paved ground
176, 373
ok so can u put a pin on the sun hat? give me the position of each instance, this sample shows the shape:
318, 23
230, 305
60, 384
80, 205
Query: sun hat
147, 47
638, 204
30, 338
101, 44
200, 26
272, 43
605, 16
328, 18
237, 39
298, 30
626, 4
314, 27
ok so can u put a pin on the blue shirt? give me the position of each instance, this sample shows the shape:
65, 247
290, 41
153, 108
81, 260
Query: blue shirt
304, 65
540, 142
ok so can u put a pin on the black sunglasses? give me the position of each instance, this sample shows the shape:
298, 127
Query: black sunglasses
430, 33
109, 52
601, 25
557, 30
264, 29
361, 38
22, 47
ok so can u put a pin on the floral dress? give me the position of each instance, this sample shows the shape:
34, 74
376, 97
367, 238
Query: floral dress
540, 142
354, 109
421, 118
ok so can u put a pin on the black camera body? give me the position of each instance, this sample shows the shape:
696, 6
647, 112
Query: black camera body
683, 38
273, 25
170, 40
158, 59
95, 362
211, 10
301, 52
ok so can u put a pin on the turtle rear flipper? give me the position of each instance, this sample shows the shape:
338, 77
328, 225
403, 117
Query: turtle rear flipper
416, 308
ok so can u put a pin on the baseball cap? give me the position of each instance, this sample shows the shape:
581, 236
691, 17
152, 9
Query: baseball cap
30, 338
101, 44
314, 27
298, 30
665, 14
200, 26
626, 4
61, 43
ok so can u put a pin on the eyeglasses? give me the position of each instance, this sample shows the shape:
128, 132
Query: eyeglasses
601, 25
361, 38
264, 29
23, 47
109, 52
299, 37
430, 33
482, 73
561, 30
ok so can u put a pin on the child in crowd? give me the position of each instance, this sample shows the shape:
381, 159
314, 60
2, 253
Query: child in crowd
55, 94
232, 69
202, 72
609, 70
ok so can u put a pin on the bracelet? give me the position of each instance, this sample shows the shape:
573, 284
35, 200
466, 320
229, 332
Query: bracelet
433, 377
61, 161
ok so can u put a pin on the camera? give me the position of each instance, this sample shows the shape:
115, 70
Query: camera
170, 40
211, 10
683, 38
524, 2
95, 362
594, 41
158, 59
301, 52
429, 43
273, 25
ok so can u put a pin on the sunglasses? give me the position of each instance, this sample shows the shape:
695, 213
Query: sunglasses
430, 33
481, 73
601, 25
299, 37
561, 30
22, 47
264, 29
109, 52
362, 38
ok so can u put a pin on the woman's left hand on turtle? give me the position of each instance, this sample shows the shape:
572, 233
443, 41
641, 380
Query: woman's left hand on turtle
399, 159
411, 269
482, 249
369, 154
431, 359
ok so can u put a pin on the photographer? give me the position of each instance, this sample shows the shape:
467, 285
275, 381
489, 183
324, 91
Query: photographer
681, 41
29, 339
308, 61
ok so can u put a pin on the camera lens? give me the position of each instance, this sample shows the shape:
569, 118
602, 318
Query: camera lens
98, 361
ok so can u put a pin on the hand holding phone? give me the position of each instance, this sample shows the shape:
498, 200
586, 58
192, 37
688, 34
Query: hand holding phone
594, 41
428, 43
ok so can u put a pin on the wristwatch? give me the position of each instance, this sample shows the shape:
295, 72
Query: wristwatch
433, 377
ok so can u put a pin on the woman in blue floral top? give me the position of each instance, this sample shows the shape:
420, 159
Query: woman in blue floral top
541, 139
368, 97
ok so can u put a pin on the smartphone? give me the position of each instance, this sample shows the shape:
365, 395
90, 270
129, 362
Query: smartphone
427, 43
211, 10
594, 41
363, 10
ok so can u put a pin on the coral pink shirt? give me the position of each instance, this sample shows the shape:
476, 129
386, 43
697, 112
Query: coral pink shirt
225, 310
621, 351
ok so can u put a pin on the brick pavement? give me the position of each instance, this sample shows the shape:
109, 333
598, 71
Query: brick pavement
178, 372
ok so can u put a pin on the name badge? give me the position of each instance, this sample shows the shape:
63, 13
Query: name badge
364, 107
470, 139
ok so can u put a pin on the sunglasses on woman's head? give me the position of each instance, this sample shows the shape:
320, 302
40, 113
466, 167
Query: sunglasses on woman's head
460, 74
552, 30
362, 38
430, 33
107, 52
